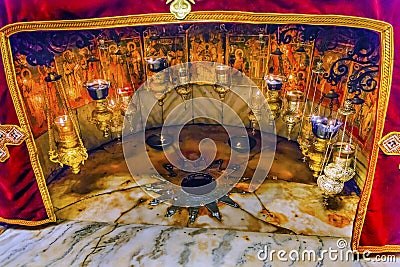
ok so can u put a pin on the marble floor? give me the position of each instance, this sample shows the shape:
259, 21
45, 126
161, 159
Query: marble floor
105, 219
288, 201
73, 243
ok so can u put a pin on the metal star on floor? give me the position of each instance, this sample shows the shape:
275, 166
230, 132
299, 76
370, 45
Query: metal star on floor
167, 193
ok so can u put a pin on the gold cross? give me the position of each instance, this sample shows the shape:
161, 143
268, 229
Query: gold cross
10, 135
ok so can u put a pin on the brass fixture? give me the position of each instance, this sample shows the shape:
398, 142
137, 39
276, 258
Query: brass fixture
101, 115
67, 148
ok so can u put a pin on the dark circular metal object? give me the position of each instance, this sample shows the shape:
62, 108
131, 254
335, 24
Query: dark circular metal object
159, 141
198, 183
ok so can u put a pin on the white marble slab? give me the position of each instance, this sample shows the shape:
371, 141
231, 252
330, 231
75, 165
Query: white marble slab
289, 201
105, 244
294, 207
299, 207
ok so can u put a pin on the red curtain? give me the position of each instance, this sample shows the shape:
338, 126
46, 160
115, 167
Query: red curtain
19, 197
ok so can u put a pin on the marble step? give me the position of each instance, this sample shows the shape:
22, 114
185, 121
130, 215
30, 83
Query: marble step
74, 243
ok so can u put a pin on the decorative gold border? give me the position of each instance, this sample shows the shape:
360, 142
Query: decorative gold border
386, 70
387, 49
30, 142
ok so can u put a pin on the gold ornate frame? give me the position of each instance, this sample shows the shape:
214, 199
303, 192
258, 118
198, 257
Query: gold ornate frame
387, 50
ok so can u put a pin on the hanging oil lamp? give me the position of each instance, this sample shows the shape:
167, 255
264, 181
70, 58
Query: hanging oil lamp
343, 158
98, 89
305, 134
274, 86
324, 128
294, 109
123, 97
328, 185
223, 80
159, 85
157, 64
257, 102
65, 144
341, 169
183, 86
101, 115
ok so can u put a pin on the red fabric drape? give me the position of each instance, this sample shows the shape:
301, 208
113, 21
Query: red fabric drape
19, 194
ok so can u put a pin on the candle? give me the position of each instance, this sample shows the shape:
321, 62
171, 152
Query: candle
343, 153
222, 74
124, 91
112, 103
325, 128
98, 89
158, 64
63, 124
183, 76
273, 82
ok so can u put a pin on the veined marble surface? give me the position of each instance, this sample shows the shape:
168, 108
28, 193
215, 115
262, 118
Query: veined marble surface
105, 219
106, 244
287, 202
276, 206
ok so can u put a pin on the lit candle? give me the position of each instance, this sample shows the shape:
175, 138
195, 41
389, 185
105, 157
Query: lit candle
112, 103
273, 83
158, 64
124, 91
98, 89
162, 139
63, 124
325, 128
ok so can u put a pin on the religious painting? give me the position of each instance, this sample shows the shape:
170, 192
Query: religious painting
167, 43
207, 42
351, 70
36, 92
122, 63
34, 96
248, 51
290, 57
72, 64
